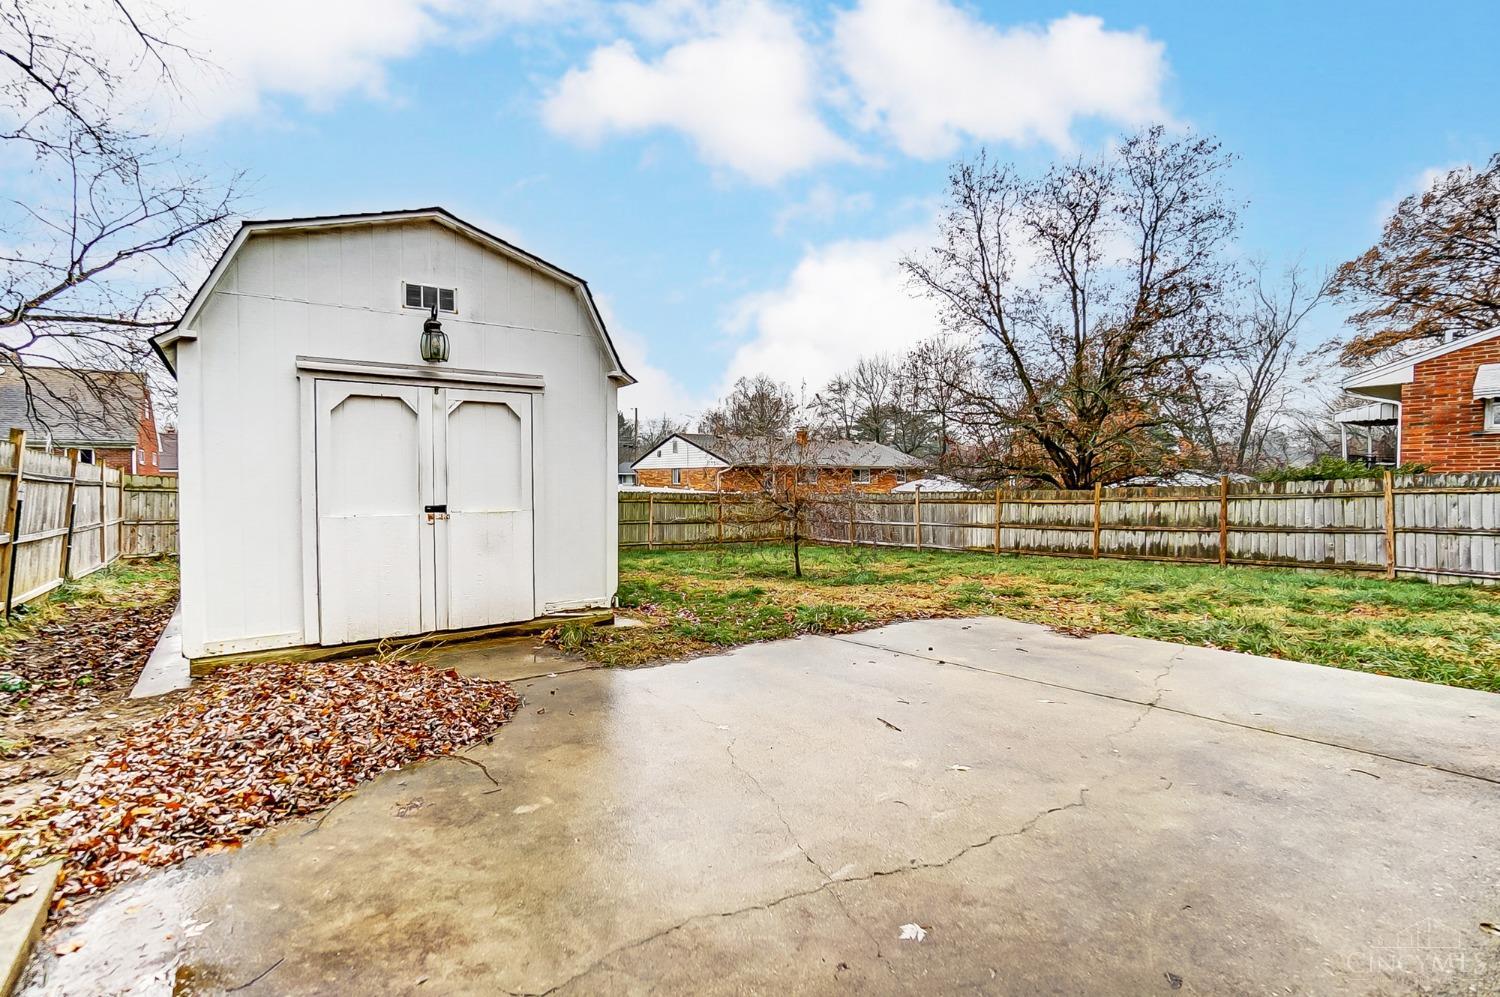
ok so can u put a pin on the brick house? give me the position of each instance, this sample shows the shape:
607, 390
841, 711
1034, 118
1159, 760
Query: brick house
705, 462
106, 414
1441, 405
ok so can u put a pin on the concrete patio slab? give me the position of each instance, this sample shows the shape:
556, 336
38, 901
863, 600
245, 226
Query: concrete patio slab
21, 922
776, 818
1433, 724
166, 670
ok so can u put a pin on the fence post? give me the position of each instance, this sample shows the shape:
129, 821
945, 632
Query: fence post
13, 515
103, 513
67, 544
120, 523
917, 516
997, 517
721, 516
1098, 503
1390, 526
852, 506
650, 520
1223, 520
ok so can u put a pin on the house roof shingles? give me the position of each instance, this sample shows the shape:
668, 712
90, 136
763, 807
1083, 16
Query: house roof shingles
92, 408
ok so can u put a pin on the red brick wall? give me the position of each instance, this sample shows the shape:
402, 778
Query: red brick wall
707, 479
1442, 425
146, 443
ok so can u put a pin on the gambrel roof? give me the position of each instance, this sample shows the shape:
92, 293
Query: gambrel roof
163, 342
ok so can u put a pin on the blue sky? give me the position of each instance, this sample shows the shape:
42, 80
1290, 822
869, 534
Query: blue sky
736, 180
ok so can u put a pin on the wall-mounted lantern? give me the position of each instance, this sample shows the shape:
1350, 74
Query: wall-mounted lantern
434, 339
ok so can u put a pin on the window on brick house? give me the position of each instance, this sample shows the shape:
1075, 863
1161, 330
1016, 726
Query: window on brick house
861, 475
1492, 415
676, 475
674, 446
807, 476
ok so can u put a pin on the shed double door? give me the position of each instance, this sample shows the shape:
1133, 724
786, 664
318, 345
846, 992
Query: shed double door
424, 499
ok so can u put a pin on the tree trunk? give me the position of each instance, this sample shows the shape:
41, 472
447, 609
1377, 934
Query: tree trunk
796, 550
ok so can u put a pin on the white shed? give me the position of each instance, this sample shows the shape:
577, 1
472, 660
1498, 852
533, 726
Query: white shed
336, 487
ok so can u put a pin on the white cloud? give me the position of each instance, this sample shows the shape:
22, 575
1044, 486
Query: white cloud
823, 204
744, 90
244, 53
928, 74
1417, 183
842, 301
661, 21
656, 392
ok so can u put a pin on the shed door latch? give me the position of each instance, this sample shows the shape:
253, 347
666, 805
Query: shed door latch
436, 512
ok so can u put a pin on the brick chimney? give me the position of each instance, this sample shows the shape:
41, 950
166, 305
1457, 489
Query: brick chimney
802, 436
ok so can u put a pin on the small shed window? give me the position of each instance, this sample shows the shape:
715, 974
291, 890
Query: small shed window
424, 296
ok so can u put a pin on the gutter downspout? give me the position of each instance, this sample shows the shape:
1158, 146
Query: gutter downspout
1400, 418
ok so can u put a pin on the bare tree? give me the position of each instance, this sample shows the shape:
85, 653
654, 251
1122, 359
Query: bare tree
755, 406
940, 372
876, 400
110, 223
1231, 411
1087, 291
911, 427
651, 432
783, 473
836, 408
872, 381
1435, 271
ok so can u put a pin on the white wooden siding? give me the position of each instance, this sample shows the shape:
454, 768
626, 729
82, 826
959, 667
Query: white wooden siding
687, 455
338, 294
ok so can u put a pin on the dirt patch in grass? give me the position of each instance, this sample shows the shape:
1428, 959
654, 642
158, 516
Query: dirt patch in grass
702, 600
246, 749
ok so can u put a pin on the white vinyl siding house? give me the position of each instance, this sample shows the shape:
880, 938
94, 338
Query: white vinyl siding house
335, 488
677, 453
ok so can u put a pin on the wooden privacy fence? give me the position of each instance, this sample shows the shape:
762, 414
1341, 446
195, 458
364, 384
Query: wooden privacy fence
651, 519
1440, 527
63, 519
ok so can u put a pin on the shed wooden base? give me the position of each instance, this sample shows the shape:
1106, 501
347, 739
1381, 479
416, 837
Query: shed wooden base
316, 652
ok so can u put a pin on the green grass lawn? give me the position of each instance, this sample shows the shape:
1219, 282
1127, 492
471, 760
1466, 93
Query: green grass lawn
699, 600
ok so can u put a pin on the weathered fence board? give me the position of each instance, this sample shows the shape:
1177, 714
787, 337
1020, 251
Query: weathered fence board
1439, 527
61, 519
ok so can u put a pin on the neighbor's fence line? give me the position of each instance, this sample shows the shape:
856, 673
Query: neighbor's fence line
1440, 527
63, 519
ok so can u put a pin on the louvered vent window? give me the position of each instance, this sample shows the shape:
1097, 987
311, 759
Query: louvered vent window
424, 296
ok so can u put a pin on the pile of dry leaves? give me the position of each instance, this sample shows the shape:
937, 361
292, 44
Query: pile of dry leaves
70, 664
254, 746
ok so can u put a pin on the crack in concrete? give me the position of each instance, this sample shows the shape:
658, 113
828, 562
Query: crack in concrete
791, 834
734, 763
914, 866
1147, 707
1367, 752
